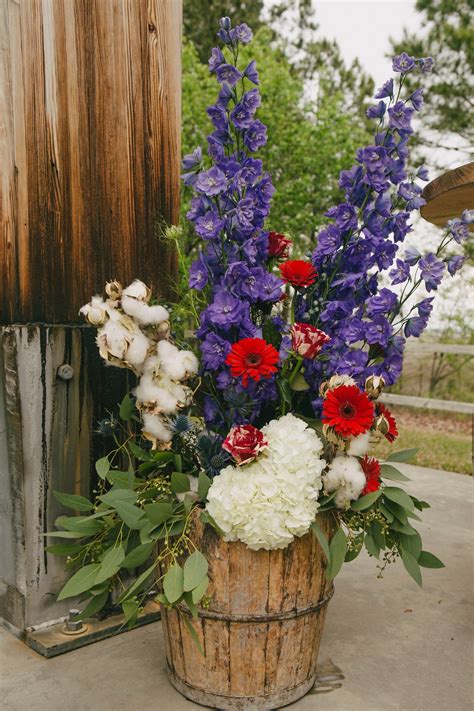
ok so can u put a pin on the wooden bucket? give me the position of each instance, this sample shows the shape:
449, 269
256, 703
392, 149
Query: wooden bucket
262, 630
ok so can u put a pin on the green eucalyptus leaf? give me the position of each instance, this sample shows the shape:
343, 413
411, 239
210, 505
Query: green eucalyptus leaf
285, 390
388, 514
428, 560
130, 610
115, 496
371, 545
81, 581
337, 551
180, 483
322, 539
131, 515
396, 510
138, 556
200, 590
299, 384
110, 564
411, 544
411, 565
102, 467
389, 472
158, 512
95, 605
82, 524
193, 633
204, 483
127, 408
65, 534
377, 534
73, 501
402, 528
173, 583
188, 599
399, 496
140, 453
366, 501
64, 548
404, 455
138, 583
195, 570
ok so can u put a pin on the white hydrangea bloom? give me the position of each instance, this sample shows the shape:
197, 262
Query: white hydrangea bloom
268, 502
345, 476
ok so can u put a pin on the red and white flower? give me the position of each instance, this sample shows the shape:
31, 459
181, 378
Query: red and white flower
278, 245
307, 340
348, 411
244, 443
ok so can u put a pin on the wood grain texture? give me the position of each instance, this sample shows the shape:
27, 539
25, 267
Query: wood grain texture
449, 195
90, 143
252, 663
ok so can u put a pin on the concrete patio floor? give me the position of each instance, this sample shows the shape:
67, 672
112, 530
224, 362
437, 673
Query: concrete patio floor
399, 648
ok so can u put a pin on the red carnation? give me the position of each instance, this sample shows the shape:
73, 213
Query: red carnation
307, 340
278, 245
348, 411
244, 443
371, 468
252, 358
392, 433
298, 273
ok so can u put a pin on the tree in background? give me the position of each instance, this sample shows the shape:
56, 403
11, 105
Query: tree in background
449, 94
314, 110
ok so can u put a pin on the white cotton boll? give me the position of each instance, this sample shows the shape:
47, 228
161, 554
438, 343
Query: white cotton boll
95, 312
137, 290
156, 394
156, 430
189, 362
170, 362
346, 476
117, 338
137, 350
359, 446
143, 313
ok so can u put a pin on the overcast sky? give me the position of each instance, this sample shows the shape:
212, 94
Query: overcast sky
363, 29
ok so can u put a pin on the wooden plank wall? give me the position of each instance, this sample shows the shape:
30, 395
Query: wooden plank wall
89, 149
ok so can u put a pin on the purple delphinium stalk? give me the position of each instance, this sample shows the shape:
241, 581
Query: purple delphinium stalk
232, 200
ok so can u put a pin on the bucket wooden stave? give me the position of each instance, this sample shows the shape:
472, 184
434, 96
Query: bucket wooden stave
262, 630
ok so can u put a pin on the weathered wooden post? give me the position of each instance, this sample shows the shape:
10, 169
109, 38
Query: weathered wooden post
90, 142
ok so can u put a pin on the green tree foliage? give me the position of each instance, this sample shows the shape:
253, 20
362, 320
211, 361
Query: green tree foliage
201, 20
448, 37
310, 141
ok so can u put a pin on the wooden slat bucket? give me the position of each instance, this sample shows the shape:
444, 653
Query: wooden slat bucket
262, 629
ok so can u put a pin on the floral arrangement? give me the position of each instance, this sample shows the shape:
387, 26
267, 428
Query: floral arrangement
270, 421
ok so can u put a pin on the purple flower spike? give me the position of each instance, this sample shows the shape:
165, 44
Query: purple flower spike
377, 111
255, 136
211, 182
241, 33
400, 273
431, 270
216, 59
228, 74
400, 117
426, 64
209, 225
403, 63
455, 264
251, 72
386, 90
458, 230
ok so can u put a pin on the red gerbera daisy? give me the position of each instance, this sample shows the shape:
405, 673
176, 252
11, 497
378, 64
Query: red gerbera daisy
392, 433
252, 358
371, 468
298, 273
348, 411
